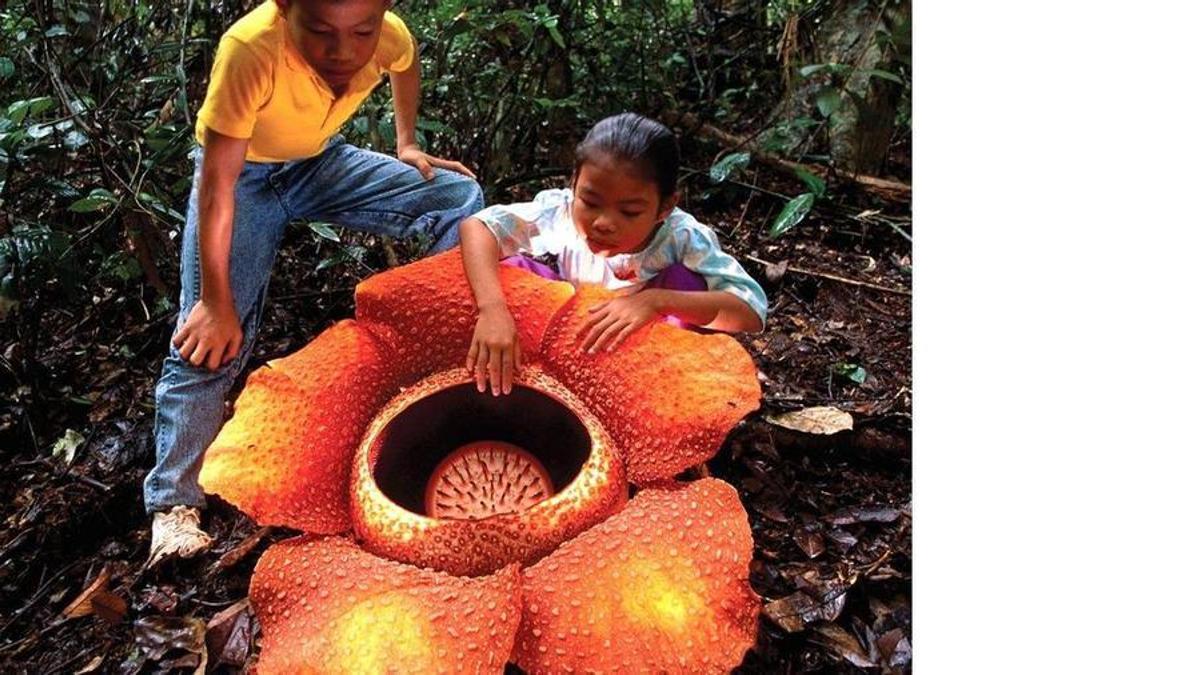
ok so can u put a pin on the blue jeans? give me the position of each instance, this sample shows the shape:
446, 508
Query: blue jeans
344, 185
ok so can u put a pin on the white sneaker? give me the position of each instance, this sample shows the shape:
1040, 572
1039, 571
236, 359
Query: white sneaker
177, 533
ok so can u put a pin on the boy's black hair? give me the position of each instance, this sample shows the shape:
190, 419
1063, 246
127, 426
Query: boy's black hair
639, 140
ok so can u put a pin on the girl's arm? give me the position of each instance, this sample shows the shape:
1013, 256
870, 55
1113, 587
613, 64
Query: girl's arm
613, 321
495, 353
717, 310
729, 306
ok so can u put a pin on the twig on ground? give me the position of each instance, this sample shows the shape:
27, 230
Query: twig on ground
90, 481
745, 208
833, 277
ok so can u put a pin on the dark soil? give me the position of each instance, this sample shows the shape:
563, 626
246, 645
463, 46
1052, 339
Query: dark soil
831, 516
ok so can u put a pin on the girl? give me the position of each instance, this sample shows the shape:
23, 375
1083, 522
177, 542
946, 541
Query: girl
618, 227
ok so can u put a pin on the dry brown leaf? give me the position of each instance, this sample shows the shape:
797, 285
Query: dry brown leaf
235, 555
91, 666
844, 644
97, 599
803, 328
863, 514
794, 612
109, 607
776, 270
895, 648
157, 635
812, 543
229, 634
824, 420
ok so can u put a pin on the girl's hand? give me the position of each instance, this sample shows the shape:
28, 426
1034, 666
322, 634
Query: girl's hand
211, 336
418, 159
614, 320
495, 353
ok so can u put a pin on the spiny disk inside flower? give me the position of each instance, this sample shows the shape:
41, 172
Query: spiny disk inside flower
486, 478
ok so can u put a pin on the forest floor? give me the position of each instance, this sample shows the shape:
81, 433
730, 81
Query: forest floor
831, 515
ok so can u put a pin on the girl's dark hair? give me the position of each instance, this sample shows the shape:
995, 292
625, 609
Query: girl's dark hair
644, 143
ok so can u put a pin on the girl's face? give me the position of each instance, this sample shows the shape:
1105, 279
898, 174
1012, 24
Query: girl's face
615, 209
336, 38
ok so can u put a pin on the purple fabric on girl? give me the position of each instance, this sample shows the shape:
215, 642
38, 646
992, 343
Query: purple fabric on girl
676, 277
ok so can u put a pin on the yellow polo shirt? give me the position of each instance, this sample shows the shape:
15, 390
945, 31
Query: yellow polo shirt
262, 89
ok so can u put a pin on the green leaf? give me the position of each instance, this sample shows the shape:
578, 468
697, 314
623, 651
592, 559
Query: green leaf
829, 100
792, 214
158, 205
728, 166
75, 140
814, 68
88, 204
813, 181
17, 111
324, 231
39, 105
885, 75
7, 68
57, 30
555, 35
97, 199
38, 131
550, 103
851, 371
121, 266
163, 304
65, 447
344, 254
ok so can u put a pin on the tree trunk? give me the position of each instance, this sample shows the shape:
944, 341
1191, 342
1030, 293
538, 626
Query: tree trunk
865, 35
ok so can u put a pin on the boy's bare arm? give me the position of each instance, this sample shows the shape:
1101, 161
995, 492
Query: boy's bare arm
406, 98
495, 352
212, 333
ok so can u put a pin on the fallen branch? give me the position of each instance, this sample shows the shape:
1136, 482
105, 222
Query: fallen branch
788, 267
886, 188
135, 224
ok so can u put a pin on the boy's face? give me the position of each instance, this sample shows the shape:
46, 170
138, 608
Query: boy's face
615, 209
336, 37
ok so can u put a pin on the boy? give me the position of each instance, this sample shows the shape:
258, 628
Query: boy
285, 78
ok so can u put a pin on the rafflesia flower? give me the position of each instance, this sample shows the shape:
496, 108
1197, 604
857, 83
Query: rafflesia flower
449, 530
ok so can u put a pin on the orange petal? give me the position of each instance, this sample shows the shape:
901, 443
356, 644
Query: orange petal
474, 547
284, 457
660, 587
667, 395
427, 309
328, 606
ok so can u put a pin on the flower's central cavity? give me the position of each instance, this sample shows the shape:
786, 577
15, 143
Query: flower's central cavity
486, 478
460, 454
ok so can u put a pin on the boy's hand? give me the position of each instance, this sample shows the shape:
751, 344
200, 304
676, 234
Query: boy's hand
211, 336
614, 320
414, 156
495, 352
